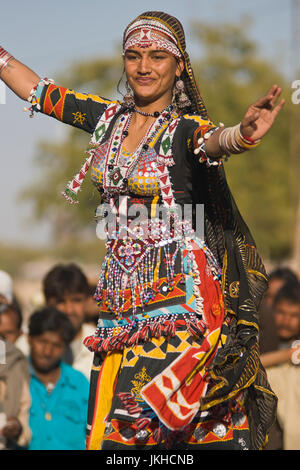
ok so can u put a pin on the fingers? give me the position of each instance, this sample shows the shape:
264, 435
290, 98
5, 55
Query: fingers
276, 93
270, 99
278, 108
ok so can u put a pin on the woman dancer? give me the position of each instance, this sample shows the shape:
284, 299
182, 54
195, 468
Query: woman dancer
176, 359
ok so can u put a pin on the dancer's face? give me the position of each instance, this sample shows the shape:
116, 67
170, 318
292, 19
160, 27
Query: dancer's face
151, 73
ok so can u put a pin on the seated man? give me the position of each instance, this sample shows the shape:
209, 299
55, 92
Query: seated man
268, 338
66, 288
284, 374
59, 393
6, 288
14, 396
11, 327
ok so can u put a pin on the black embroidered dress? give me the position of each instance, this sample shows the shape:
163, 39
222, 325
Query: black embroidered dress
176, 354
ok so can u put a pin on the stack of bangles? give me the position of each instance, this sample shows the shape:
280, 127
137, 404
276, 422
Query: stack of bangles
232, 141
5, 57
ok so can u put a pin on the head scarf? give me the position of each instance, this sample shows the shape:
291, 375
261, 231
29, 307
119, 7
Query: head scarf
170, 27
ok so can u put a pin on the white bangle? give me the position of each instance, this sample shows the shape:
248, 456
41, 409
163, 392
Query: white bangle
295, 359
5, 57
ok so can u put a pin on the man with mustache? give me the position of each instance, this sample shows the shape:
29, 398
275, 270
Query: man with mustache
66, 288
59, 393
285, 377
287, 314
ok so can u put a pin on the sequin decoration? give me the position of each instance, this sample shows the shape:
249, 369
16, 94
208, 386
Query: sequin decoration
142, 435
220, 430
127, 433
108, 429
143, 180
200, 434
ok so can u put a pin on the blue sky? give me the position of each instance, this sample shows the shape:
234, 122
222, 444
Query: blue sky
49, 36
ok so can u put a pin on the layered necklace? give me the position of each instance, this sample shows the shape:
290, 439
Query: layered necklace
117, 170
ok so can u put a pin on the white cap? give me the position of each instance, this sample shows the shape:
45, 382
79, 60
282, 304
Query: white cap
6, 286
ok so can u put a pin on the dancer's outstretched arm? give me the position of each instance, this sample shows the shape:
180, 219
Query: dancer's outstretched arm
17, 76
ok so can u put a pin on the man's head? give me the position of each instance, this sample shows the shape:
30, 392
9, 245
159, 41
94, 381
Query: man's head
66, 288
277, 279
50, 331
287, 312
11, 322
6, 288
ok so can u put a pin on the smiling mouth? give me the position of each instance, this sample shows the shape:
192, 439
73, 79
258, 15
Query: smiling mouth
144, 80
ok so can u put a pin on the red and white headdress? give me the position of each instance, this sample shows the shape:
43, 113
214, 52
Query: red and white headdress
143, 33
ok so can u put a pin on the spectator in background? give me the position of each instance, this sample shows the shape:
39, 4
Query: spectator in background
277, 279
59, 393
274, 349
6, 288
91, 307
66, 288
286, 314
14, 396
11, 327
268, 338
284, 374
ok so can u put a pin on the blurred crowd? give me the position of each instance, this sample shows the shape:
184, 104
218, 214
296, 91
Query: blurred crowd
45, 368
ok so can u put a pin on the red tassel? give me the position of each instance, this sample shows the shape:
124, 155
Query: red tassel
141, 423
133, 340
157, 330
157, 435
193, 329
105, 345
123, 336
144, 333
201, 326
89, 341
129, 401
125, 395
134, 409
172, 329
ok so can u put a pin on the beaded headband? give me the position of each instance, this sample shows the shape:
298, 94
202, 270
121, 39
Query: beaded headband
169, 27
143, 33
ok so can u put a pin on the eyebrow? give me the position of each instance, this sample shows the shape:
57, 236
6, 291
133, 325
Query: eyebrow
151, 51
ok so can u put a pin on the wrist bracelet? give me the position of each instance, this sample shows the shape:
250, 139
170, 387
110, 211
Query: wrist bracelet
34, 97
248, 139
5, 57
232, 141
295, 359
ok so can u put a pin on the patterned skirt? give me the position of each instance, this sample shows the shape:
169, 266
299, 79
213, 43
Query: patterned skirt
118, 424
147, 384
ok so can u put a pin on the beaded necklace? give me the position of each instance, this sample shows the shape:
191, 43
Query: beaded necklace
116, 173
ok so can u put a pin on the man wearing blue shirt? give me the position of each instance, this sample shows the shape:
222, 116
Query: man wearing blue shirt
59, 393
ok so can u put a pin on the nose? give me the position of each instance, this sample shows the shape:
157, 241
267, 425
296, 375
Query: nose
144, 65
47, 350
66, 307
285, 322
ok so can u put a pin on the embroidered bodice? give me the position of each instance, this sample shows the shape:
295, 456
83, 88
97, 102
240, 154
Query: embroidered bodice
143, 180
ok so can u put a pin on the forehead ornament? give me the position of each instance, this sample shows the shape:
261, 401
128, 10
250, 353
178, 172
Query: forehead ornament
144, 33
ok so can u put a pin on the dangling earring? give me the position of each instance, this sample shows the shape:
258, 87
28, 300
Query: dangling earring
128, 98
183, 100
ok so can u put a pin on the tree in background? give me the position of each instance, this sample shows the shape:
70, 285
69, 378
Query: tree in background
231, 75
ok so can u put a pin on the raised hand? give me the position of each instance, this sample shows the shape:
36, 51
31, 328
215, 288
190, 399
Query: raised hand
261, 115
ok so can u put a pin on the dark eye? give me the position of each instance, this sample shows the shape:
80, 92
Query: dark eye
131, 56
